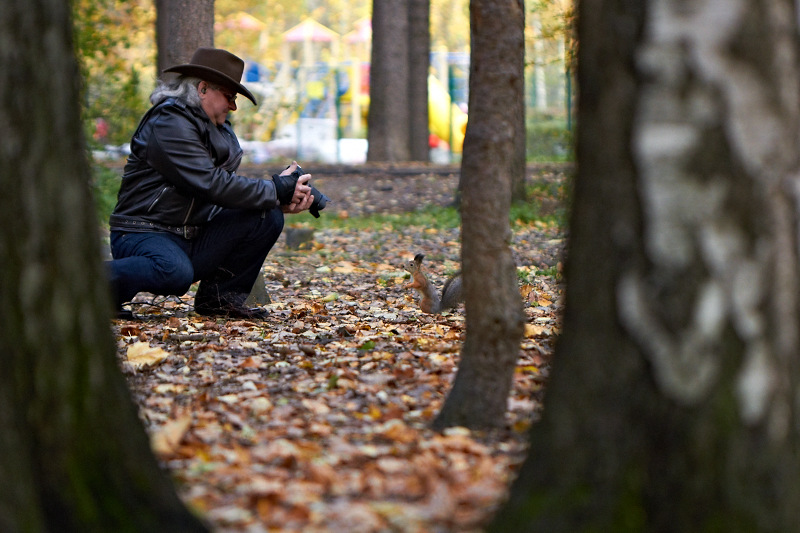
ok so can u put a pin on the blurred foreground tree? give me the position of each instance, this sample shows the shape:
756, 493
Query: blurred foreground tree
672, 404
73, 454
494, 324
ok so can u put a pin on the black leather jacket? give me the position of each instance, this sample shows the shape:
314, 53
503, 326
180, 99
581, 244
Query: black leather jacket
182, 171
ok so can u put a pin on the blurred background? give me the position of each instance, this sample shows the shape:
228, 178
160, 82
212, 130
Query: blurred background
308, 64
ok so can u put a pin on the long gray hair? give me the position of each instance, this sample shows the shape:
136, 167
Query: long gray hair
184, 88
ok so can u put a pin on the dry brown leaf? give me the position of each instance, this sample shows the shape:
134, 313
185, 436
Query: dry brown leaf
166, 439
142, 355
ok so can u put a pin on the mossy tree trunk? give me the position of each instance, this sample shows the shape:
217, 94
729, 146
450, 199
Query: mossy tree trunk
672, 401
73, 453
479, 396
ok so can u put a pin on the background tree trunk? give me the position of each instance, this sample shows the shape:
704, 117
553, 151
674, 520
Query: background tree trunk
519, 175
73, 454
419, 47
494, 324
672, 401
182, 26
388, 120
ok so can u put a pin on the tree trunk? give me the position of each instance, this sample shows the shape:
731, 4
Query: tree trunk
419, 45
73, 454
519, 176
519, 181
494, 309
388, 120
182, 26
672, 400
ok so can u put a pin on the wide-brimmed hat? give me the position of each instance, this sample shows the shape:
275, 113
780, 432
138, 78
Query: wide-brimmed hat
215, 65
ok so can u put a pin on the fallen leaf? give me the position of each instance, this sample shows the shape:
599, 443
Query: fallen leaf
166, 439
142, 355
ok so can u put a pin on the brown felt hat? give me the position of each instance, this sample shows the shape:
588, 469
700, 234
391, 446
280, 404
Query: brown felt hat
218, 66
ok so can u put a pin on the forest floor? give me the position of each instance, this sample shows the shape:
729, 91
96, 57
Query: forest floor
318, 418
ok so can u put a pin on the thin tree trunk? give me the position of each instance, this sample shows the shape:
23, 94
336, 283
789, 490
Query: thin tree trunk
73, 453
494, 324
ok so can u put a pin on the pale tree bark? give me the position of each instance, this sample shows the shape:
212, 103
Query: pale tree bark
672, 401
388, 119
73, 454
494, 322
182, 26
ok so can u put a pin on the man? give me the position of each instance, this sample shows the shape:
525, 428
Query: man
183, 214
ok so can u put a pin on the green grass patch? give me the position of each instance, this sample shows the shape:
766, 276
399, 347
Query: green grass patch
442, 218
439, 218
546, 206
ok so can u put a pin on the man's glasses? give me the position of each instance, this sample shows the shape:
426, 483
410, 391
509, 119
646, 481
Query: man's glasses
231, 97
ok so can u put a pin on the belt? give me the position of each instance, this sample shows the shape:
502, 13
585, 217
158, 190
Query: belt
187, 232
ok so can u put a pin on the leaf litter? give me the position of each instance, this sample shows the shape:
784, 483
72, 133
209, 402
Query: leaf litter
318, 418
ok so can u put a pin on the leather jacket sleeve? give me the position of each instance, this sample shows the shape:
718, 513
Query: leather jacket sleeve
200, 160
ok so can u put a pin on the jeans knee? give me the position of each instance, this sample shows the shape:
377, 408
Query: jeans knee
275, 218
270, 226
174, 277
276, 227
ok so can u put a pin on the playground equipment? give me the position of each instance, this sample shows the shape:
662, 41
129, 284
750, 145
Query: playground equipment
324, 99
445, 119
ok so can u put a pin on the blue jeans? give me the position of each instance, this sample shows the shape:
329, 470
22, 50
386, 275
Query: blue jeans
225, 257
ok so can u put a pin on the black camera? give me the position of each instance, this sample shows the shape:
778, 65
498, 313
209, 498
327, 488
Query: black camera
320, 200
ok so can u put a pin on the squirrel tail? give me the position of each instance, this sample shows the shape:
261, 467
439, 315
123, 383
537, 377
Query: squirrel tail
452, 293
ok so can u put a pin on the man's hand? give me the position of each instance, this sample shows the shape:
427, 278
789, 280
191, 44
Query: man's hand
288, 170
302, 198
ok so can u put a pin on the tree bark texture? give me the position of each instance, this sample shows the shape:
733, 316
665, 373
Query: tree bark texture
419, 47
388, 120
672, 401
494, 322
182, 26
73, 454
519, 177
519, 181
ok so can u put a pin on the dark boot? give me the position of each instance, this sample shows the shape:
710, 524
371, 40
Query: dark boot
210, 301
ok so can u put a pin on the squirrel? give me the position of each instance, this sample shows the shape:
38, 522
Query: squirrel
430, 301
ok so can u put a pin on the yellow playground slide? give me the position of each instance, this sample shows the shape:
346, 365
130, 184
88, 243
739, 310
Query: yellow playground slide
439, 115
440, 109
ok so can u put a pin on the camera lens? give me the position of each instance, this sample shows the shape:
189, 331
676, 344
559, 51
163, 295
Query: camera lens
320, 200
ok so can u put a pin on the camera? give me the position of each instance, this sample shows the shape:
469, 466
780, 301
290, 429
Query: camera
320, 200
